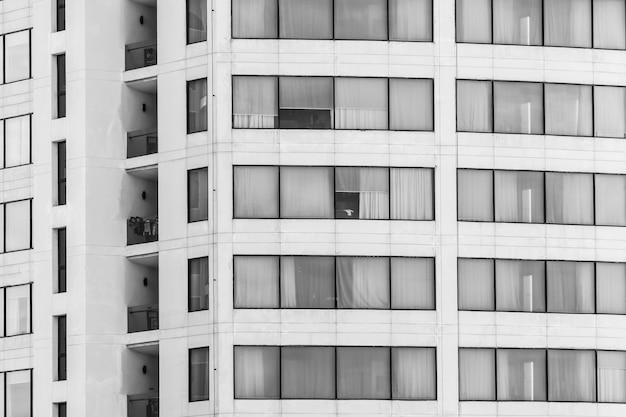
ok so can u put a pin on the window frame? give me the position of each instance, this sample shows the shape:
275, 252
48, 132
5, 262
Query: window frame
60, 15
61, 148
4, 227
189, 208
30, 56
4, 141
61, 235
187, 24
189, 373
61, 356
187, 101
4, 376
4, 307
189, 263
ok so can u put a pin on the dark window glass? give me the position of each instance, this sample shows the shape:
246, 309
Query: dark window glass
198, 198
60, 15
197, 106
196, 21
306, 102
61, 173
199, 374
61, 110
199, 284
62, 348
62, 409
62, 259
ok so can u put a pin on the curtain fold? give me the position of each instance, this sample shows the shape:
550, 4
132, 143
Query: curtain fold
609, 111
255, 18
412, 194
609, 24
410, 104
571, 375
520, 285
611, 377
363, 373
413, 283
519, 196
306, 19
571, 287
474, 106
521, 374
477, 374
475, 284
569, 198
362, 283
306, 192
475, 195
413, 373
306, 92
611, 288
255, 102
518, 107
307, 282
17, 141
256, 281
257, 373
569, 110
610, 202
567, 23
361, 103
256, 192
473, 21
517, 22
308, 372
410, 20
361, 19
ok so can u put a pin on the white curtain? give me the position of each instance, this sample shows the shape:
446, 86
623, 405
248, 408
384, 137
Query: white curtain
308, 372
197, 113
519, 196
307, 282
611, 288
199, 373
410, 104
411, 20
475, 284
413, 373
257, 372
372, 187
306, 102
473, 106
361, 19
569, 198
609, 24
518, 107
306, 19
17, 56
521, 374
256, 281
256, 192
196, 20
413, 283
412, 194
18, 394
198, 194
17, 141
363, 373
610, 193
199, 284
569, 110
571, 375
520, 285
517, 22
611, 377
473, 21
17, 310
361, 103
567, 23
477, 374
18, 223
571, 287
255, 102
306, 192
475, 195
362, 283
610, 111
255, 18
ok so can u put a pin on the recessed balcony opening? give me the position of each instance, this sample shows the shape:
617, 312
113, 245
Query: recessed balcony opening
142, 290
141, 33
141, 121
143, 212
141, 366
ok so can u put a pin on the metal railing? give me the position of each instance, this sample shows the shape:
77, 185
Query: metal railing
143, 405
142, 230
142, 142
143, 318
141, 54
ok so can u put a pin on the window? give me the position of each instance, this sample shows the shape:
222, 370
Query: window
571, 287
255, 101
61, 86
199, 284
411, 104
610, 288
256, 192
60, 15
61, 260
254, 18
62, 409
362, 193
17, 56
473, 18
518, 107
568, 23
411, 20
17, 221
609, 111
61, 348
17, 302
413, 283
18, 393
520, 285
475, 195
256, 281
476, 284
521, 374
361, 103
569, 198
308, 372
611, 373
609, 24
610, 197
477, 369
257, 373
517, 22
306, 192
474, 105
363, 373
306, 102
307, 282
61, 173
197, 115
199, 373
363, 283
519, 196
569, 109
198, 198
196, 21
361, 19
17, 141
571, 375
306, 19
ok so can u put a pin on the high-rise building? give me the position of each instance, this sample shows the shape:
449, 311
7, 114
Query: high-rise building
312, 207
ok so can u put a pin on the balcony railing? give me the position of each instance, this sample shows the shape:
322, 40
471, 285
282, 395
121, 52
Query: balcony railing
143, 318
141, 54
142, 230
143, 405
142, 142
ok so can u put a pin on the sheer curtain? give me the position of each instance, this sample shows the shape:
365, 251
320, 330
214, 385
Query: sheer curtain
254, 18
18, 223
610, 200
521, 375
477, 374
307, 282
569, 198
199, 374
475, 284
609, 24
611, 288
308, 372
197, 114
17, 310
362, 283
257, 372
198, 204
569, 110
412, 194
571, 287
363, 373
519, 196
518, 106
413, 283
199, 284
196, 21
473, 21
306, 192
17, 141
256, 192
18, 393
410, 104
473, 105
17, 56
306, 97
567, 23
520, 285
411, 20
361, 103
361, 19
256, 281
372, 187
611, 377
413, 373
255, 102
475, 191
571, 375
517, 22
306, 19
610, 111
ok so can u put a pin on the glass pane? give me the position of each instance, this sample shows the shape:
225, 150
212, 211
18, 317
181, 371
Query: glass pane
522, 375
413, 373
308, 372
519, 196
17, 56
17, 141
307, 282
361, 19
361, 193
196, 21
199, 284
412, 194
473, 106
306, 102
363, 373
306, 192
610, 111
256, 281
198, 195
518, 107
362, 282
199, 372
17, 310
571, 287
306, 19
610, 193
411, 104
61, 86
571, 375
477, 374
413, 283
567, 23
611, 288
609, 24
18, 222
475, 195
611, 377
475, 282
473, 21
257, 372
255, 19
520, 285
411, 20
361, 103
197, 114
569, 110
256, 192
18, 394
255, 102
517, 22
569, 198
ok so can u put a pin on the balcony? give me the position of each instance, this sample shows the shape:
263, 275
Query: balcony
142, 229
142, 142
143, 318
141, 54
143, 405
